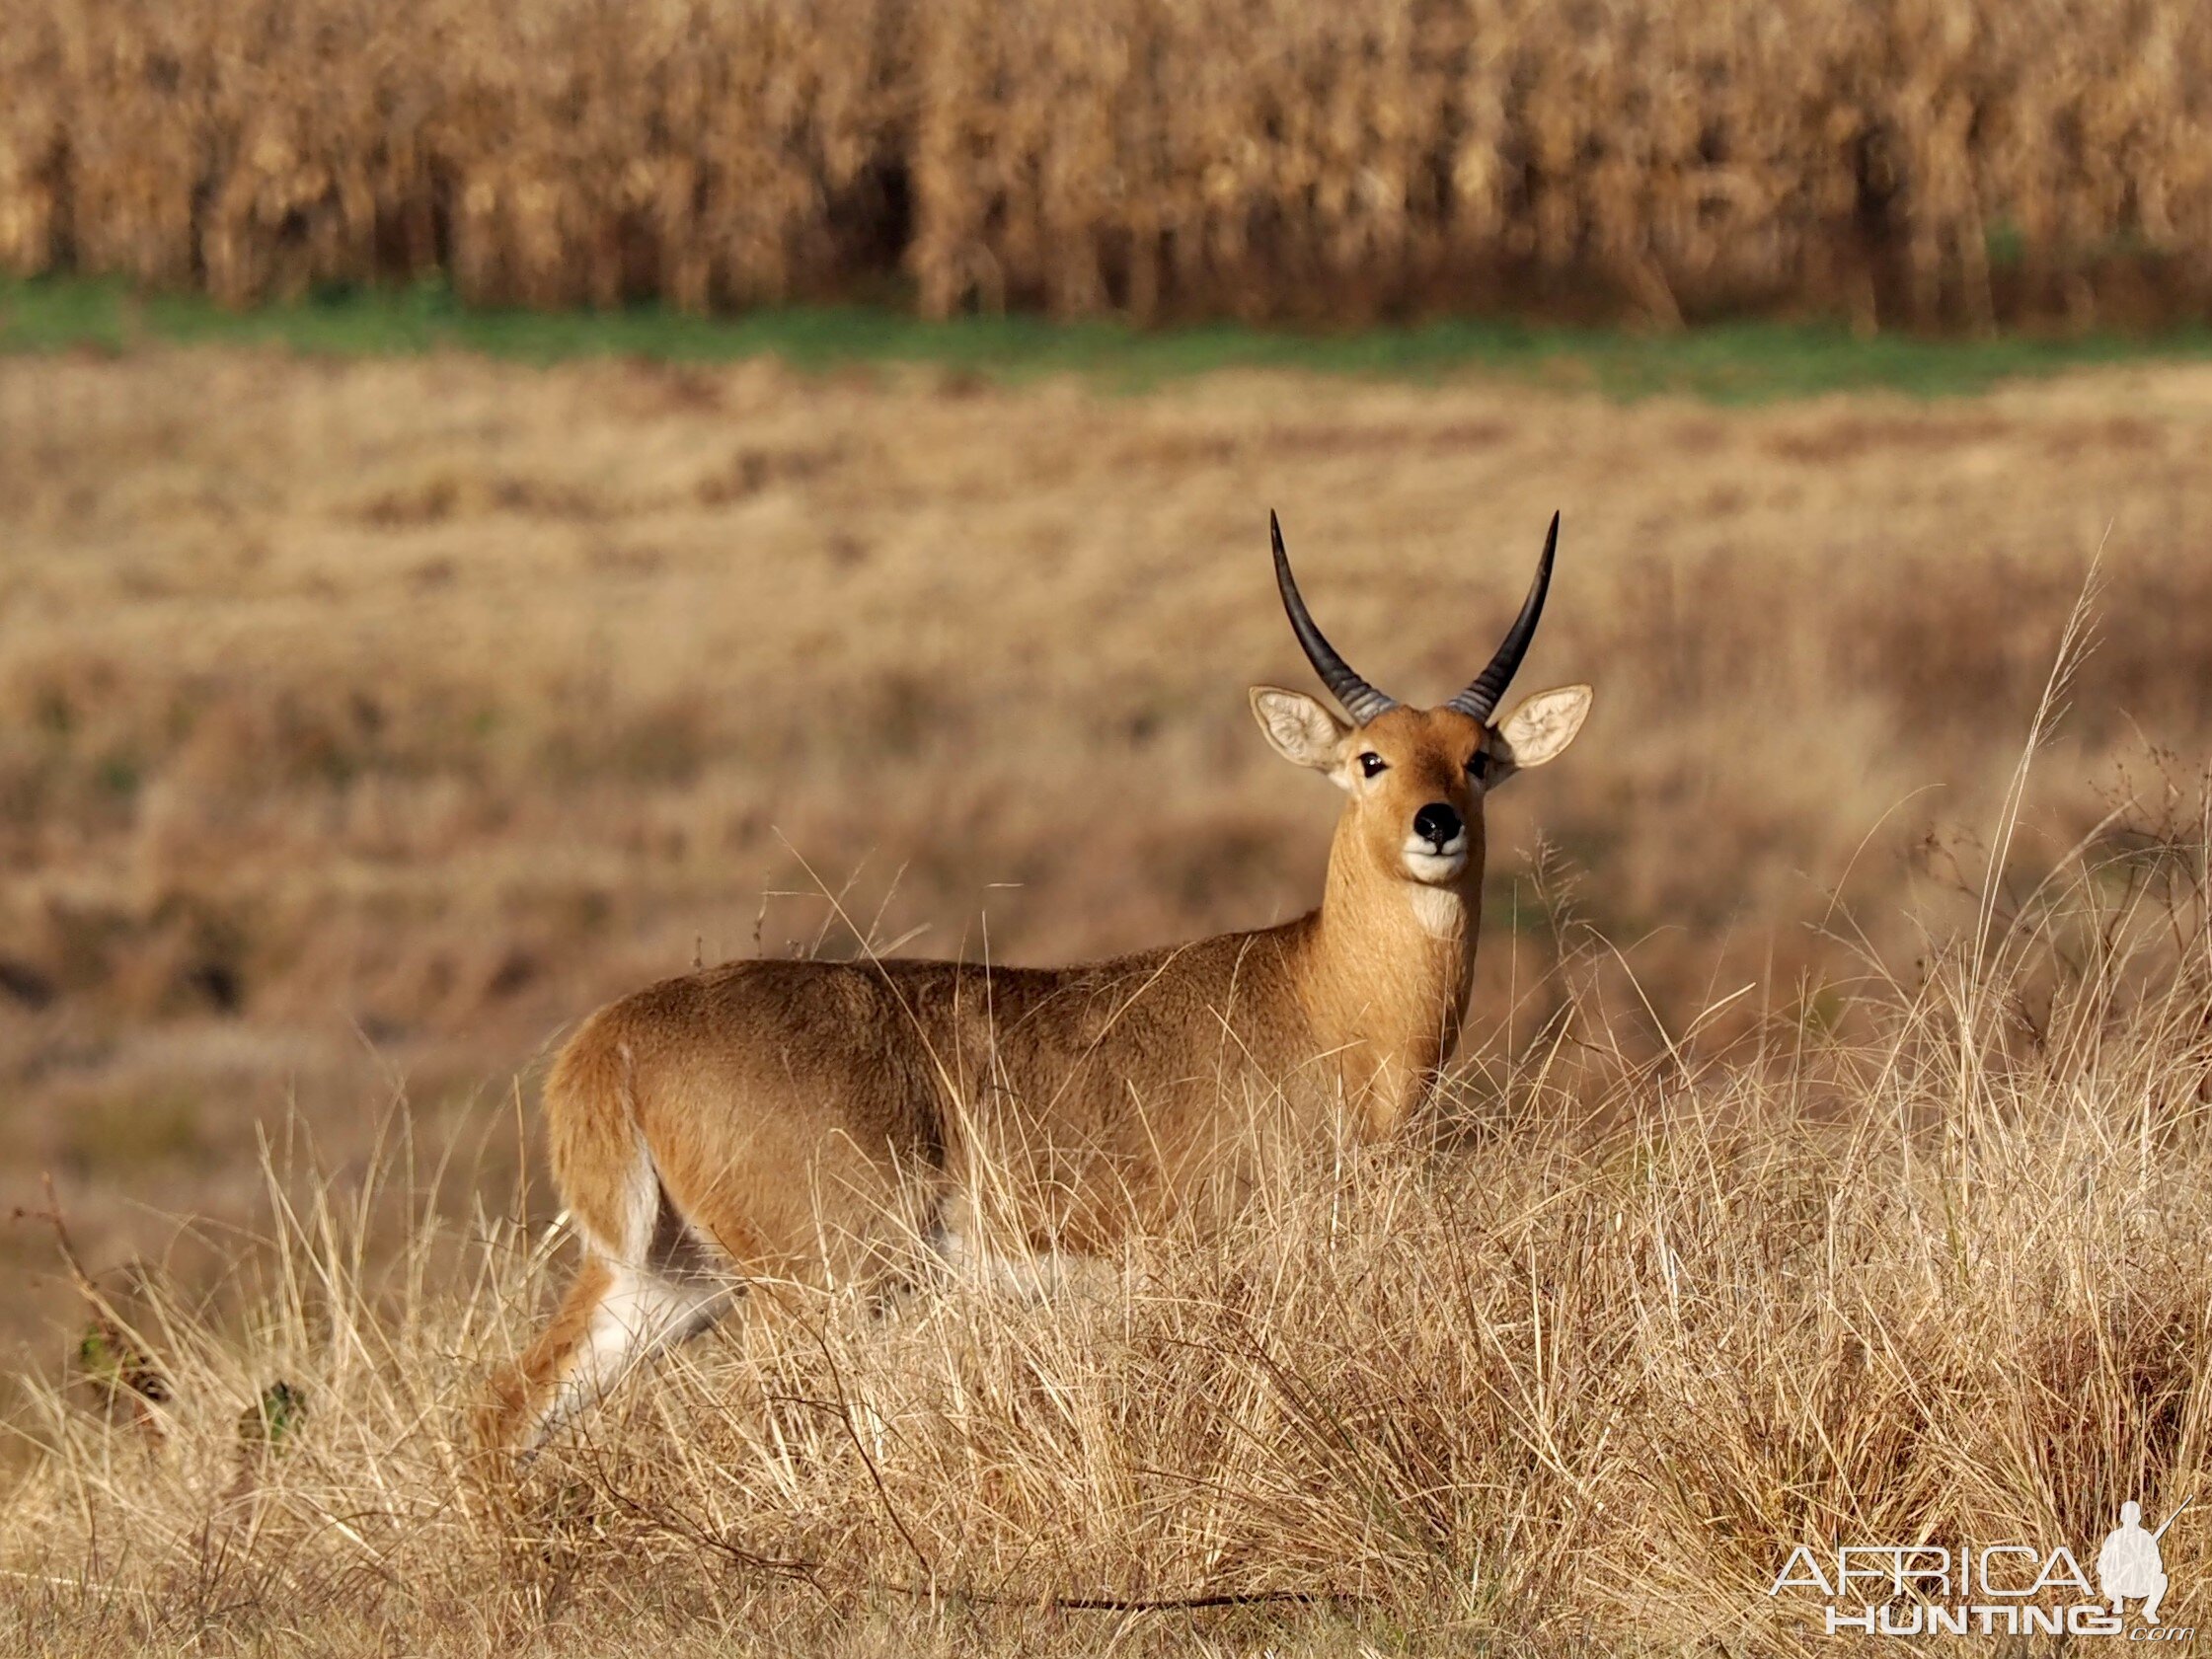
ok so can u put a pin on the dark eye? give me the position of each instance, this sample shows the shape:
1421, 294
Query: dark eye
1371, 763
1478, 765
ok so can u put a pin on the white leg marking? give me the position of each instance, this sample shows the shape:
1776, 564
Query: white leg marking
640, 1314
1031, 1276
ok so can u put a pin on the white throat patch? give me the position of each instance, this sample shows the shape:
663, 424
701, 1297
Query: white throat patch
1439, 910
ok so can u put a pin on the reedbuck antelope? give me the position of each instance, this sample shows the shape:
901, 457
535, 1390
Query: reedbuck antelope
779, 1121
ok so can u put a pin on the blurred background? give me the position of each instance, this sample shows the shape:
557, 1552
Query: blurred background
497, 504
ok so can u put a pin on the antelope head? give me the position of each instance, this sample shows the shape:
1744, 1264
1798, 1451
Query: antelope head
1418, 778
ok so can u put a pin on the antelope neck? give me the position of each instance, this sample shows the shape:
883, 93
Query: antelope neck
1385, 968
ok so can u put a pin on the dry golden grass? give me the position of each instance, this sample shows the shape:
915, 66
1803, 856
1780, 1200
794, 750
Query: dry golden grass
370, 723
362, 723
1916, 160
1569, 1374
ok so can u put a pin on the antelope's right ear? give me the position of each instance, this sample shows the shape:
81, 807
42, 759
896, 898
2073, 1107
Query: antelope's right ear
1301, 729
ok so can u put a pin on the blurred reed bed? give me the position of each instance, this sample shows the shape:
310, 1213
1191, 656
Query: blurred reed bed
1920, 161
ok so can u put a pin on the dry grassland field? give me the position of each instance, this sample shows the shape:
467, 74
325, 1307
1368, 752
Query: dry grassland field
1825, 1163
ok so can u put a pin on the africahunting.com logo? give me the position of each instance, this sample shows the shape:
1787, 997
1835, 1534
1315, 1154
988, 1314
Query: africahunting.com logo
1996, 1589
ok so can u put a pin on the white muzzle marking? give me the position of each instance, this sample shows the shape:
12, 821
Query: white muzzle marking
1426, 862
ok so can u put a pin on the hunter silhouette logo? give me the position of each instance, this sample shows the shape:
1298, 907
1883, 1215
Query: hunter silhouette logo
2131, 1566
1991, 1589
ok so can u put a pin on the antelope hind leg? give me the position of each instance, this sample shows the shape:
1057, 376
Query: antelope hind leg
614, 1315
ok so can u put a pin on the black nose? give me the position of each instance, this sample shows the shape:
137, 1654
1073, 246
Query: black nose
1437, 823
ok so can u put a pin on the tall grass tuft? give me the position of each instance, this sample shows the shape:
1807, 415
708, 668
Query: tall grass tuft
1578, 1365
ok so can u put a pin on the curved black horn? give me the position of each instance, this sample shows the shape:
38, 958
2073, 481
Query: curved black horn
1361, 701
1482, 695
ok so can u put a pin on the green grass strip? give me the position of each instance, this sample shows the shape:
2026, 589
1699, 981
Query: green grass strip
1727, 362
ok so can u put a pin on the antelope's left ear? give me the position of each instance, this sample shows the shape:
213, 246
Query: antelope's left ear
1539, 730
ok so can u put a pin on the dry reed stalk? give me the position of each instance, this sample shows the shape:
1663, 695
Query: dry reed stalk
1915, 160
